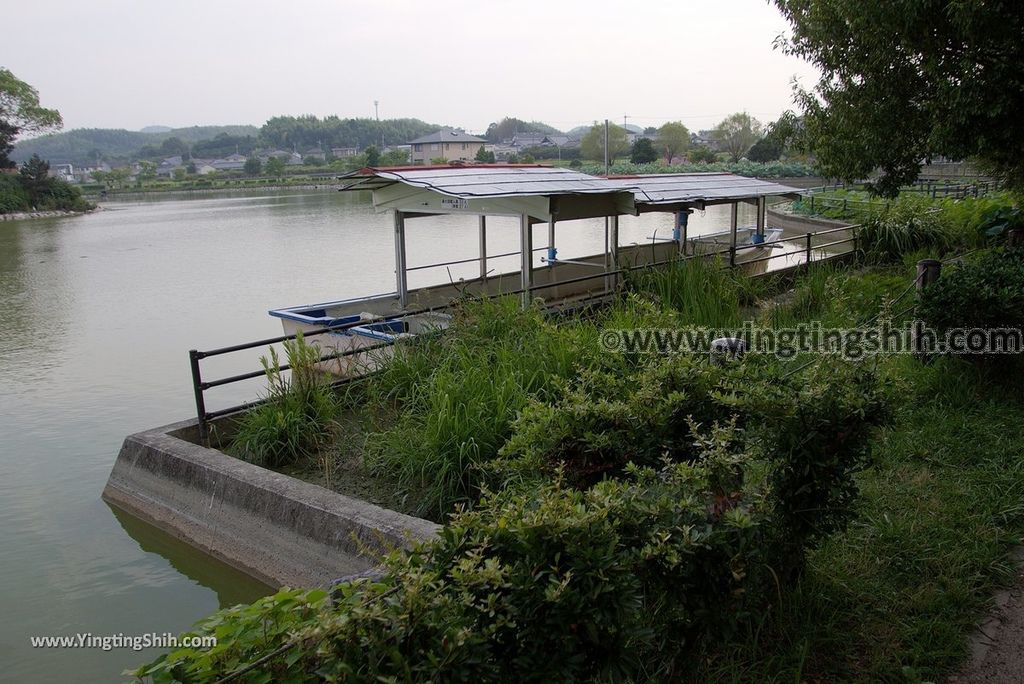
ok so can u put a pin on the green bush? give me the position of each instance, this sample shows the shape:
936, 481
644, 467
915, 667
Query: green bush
618, 581
13, 197
987, 292
811, 429
296, 417
551, 584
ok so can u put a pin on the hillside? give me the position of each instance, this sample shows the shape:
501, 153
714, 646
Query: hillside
84, 145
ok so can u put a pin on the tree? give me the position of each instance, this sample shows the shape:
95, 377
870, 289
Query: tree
643, 152
175, 147
178, 174
592, 143
766, 149
483, 156
20, 112
372, 155
396, 157
147, 171
736, 134
903, 82
253, 166
702, 153
35, 178
674, 139
190, 168
274, 167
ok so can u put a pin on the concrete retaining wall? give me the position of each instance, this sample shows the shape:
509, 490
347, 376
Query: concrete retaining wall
795, 226
278, 529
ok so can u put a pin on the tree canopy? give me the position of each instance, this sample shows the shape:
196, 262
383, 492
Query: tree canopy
509, 126
592, 143
674, 139
737, 133
20, 112
642, 152
904, 82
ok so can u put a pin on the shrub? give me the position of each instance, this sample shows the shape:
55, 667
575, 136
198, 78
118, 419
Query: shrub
985, 293
12, 196
552, 584
618, 581
296, 417
811, 430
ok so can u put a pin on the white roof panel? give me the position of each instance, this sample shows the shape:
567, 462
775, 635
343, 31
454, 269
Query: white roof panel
494, 181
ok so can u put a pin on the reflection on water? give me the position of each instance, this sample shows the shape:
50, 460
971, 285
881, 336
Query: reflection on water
231, 586
96, 316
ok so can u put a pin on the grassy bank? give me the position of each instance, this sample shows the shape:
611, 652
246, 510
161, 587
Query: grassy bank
648, 517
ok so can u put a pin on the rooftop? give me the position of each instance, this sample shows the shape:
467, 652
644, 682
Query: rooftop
525, 180
447, 135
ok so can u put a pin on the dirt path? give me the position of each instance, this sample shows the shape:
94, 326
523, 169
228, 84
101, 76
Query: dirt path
997, 649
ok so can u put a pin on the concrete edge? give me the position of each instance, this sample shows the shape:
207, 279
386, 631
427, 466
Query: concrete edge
276, 528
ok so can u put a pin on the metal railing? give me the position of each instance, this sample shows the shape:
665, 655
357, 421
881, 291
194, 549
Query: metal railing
935, 189
729, 255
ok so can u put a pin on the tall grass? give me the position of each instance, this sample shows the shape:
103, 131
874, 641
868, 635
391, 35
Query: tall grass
295, 420
446, 406
701, 291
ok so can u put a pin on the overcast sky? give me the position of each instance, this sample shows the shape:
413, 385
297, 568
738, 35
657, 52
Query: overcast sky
134, 63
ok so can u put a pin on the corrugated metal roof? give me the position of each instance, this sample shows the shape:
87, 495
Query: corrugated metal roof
528, 180
486, 181
677, 188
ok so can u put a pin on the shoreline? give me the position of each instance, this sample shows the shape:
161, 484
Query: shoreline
230, 188
54, 213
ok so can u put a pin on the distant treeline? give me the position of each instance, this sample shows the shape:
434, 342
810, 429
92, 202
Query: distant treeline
87, 146
90, 145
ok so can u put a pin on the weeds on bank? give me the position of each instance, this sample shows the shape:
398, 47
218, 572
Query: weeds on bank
296, 417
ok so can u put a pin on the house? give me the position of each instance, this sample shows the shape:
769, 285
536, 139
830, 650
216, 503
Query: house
65, 172
705, 138
524, 140
344, 152
452, 144
314, 153
232, 162
167, 166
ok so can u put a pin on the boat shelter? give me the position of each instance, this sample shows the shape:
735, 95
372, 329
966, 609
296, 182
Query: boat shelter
543, 194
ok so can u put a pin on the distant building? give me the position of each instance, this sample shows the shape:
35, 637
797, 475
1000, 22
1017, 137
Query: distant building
531, 139
65, 172
314, 153
167, 166
232, 162
450, 143
344, 152
705, 138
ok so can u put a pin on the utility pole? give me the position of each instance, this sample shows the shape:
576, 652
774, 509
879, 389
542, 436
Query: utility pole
376, 114
606, 147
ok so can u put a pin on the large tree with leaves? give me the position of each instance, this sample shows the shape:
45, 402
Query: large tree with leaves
20, 112
592, 144
737, 133
902, 82
674, 139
